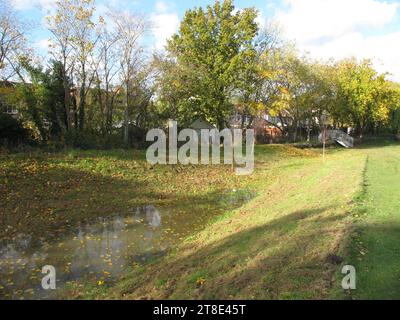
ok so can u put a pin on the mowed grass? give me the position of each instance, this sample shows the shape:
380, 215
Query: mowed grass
278, 245
375, 245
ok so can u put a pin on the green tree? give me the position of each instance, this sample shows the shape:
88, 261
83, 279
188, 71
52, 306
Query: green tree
44, 100
254, 85
207, 58
394, 114
365, 96
12, 131
290, 86
73, 43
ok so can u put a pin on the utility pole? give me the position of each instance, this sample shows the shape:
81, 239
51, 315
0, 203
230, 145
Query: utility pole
324, 135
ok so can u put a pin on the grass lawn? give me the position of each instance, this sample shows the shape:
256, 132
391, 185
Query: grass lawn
278, 242
375, 247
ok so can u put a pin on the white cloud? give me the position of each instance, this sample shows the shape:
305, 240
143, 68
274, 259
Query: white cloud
162, 7
23, 4
310, 20
383, 50
48, 5
45, 5
261, 20
165, 24
342, 28
43, 44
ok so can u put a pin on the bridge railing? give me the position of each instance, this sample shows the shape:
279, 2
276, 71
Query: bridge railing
340, 137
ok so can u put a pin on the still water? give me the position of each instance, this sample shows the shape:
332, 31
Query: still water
96, 252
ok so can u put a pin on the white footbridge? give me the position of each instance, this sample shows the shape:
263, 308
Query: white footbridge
340, 137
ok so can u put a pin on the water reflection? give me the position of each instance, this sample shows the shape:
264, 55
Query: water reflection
152, 215
101, 250
97, 250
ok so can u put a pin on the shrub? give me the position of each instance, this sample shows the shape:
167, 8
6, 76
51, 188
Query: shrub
12, 132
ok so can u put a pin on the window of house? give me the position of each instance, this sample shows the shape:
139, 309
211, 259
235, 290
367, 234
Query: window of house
11, 110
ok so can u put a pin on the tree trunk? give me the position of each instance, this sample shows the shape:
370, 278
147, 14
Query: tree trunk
67, 97
82, 100
127, 117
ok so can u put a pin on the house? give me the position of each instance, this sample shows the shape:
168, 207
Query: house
267, 128
200, 124
8, 90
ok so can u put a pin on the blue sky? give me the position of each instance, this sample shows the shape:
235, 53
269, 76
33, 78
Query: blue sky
323, 28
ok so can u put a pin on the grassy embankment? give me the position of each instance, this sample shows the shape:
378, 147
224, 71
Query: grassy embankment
276, 246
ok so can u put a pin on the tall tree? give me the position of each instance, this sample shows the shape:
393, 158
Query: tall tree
44, 100
212, 47
106, 71
254, 82
61, 47
12, 41
83, 41
73, 42
287, 79
363, 95
130, 29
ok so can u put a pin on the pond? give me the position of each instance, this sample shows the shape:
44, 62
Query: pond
99, 251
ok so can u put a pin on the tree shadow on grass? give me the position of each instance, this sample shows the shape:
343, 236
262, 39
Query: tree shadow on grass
49, 201
52, 199
284, 258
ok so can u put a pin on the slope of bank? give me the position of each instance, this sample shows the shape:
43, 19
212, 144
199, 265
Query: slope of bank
278, 246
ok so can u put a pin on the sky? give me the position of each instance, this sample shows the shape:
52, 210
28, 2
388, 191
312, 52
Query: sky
323, 29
